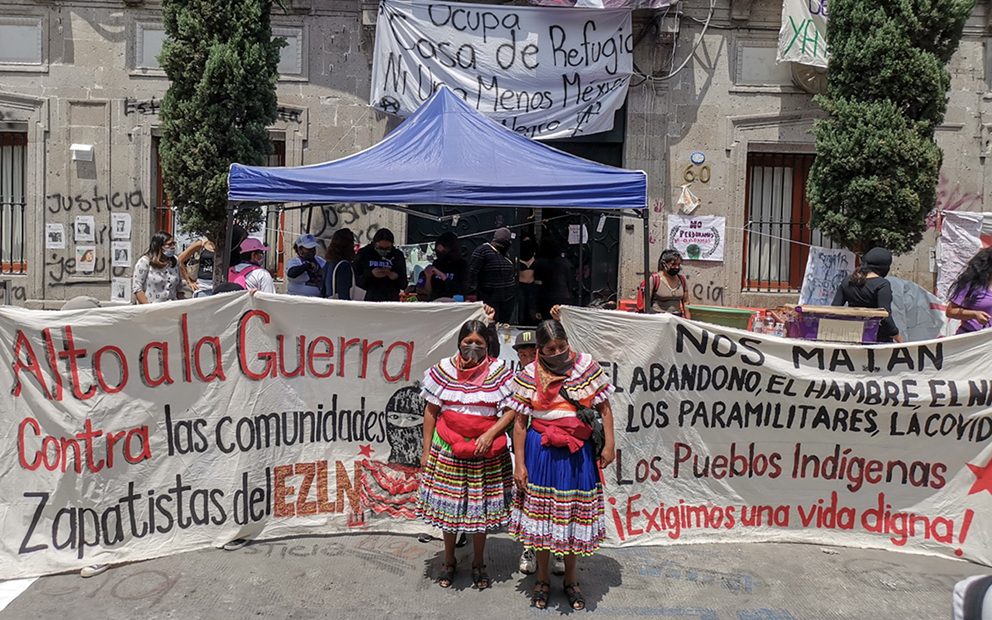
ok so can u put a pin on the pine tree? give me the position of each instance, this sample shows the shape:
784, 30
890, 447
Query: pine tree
877, 165
221, 61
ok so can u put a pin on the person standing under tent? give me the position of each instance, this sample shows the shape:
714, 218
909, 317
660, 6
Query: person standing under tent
250, 271
492, 277
447, 276
339, 272
381, 268
554, 275
559, 504
467, 480
304, 272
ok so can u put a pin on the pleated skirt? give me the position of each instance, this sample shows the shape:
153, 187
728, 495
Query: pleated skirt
562, 508
465, 495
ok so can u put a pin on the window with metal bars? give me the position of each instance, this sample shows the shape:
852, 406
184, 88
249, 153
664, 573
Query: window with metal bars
777, 235
13, 180
275, 219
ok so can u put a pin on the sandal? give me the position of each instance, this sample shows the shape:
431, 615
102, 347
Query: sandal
480, 577
575, 598
540, 596
447, 576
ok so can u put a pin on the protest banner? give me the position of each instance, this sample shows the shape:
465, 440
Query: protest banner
962, 235
141, 431
699, 237
803, 36
728, 436
826, 270
542, 72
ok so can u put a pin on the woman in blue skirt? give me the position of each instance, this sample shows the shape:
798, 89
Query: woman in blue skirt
559, 504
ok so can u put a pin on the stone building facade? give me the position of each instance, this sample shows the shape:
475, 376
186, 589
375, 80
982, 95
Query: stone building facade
82, 73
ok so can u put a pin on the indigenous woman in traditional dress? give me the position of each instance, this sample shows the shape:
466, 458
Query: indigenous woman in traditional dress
467, 484
559, 506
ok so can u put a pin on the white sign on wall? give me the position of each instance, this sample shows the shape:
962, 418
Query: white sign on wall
542, 72
700, 237
803, 37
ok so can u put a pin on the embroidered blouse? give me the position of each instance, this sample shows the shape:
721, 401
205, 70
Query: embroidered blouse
442, 388
587, 383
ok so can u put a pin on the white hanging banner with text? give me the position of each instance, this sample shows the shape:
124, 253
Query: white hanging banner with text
728, 436
542, 72
803, 37
700, 237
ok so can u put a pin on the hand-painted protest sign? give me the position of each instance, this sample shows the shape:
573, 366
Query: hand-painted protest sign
727, 436
543, 73
699, 237
826, 270
803, 37
607, 4
140, 431
962, 235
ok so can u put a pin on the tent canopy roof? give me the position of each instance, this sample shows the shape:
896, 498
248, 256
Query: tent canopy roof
447, 153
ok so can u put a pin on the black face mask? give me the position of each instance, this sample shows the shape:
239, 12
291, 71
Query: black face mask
560, 364
472, 352
673, 271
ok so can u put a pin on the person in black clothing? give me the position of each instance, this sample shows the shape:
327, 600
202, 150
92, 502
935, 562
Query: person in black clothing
381, 268
447, 276
868, 288
492, 277
554, 275
527, 293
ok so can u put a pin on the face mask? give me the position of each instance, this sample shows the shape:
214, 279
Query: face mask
472, 352
673, 271
560, 364
308, 254
383, 252
169, 253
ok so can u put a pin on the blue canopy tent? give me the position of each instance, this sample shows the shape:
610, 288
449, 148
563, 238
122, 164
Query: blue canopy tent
447, 154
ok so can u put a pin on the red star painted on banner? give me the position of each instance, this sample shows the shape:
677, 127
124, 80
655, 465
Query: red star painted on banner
983, 478
367, 451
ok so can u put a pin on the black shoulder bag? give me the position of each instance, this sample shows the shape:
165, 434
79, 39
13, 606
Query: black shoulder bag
589, 416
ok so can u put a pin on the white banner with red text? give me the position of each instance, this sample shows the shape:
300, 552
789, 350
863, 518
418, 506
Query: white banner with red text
141, 431
728, 436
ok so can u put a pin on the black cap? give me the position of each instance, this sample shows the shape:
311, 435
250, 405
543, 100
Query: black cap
525, 339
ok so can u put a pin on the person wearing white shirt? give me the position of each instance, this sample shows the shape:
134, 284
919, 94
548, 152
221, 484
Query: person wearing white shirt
249, 273
305, 270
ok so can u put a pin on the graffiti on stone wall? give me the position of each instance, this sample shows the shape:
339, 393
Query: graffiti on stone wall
330, 218
16, 293
58, 268
950, 197
97, 202
707, 294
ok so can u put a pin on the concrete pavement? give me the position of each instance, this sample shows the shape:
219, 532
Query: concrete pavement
380, 577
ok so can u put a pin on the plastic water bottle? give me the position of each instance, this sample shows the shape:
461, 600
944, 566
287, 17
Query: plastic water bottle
770, 326
780, 329
757, 326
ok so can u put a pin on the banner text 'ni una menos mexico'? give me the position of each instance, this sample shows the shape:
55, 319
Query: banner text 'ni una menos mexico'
542, 72
143, 431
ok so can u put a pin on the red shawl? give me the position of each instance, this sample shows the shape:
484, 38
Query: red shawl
460, 431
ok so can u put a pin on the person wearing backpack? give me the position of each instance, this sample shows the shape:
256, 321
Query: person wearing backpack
339, 274
669, 290
249, 273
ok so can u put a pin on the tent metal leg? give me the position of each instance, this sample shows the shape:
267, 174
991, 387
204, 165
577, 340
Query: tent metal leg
228, 239
645, 214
